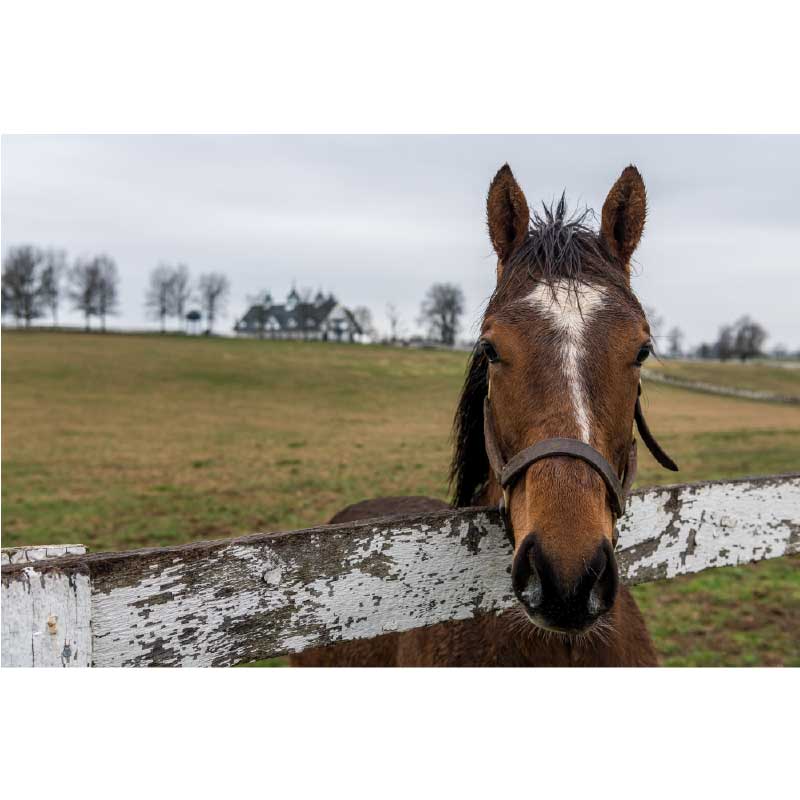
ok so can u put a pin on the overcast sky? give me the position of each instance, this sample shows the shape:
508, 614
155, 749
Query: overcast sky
378, 219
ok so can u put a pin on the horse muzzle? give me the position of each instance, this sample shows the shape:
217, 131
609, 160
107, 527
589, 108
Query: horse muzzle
556, 604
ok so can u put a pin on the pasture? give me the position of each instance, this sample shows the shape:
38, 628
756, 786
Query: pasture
782, 379
126, 441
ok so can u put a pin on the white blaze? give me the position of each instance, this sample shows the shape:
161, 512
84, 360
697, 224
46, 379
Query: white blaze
570, 310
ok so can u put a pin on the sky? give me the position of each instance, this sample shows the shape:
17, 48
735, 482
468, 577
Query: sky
378, 219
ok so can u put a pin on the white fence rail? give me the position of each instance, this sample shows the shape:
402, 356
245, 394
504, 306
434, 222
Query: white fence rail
725, 391
236, 600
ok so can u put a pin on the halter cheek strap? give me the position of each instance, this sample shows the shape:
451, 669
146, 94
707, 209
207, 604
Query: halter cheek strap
508, 472
652, 445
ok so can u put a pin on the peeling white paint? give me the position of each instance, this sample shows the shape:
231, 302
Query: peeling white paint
46, 620
429, 574
226, 602
675, 531
20, 555
421, 574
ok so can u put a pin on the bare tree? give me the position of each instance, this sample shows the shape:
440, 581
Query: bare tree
107, 288
22, 283
393, 316
55, 265
675, 340
159, 297
213, 288
725, 346
363, 317
441, 311
705, 350
84, 279
7, 301
749, 338
744, 339
180, 293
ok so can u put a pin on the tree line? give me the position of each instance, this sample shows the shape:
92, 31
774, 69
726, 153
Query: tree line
171, 289
35, 281
440, 315
742, 339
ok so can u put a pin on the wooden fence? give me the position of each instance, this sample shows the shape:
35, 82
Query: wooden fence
725, 391
237, 600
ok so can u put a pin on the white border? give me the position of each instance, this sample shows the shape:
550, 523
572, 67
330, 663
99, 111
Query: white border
369, 67
421, 66
399, 733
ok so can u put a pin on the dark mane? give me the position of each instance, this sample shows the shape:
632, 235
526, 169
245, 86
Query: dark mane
470, 466
559, 247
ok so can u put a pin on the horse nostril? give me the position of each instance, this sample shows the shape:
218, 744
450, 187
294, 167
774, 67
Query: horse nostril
556, 600
524, 575
596, 605
531, 593
606, 581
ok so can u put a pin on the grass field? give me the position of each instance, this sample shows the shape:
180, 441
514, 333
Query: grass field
125, 441
760, 376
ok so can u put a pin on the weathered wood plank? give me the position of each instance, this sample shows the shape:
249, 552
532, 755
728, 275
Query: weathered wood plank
220, 603
264, 595
46, 616
18, 555
682, 529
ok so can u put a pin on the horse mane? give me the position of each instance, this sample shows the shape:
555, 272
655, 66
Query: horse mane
469, 469
559, 247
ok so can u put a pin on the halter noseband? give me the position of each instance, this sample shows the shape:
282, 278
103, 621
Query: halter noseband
508, 472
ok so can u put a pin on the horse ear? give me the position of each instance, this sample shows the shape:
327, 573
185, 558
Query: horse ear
507, 213
624, 213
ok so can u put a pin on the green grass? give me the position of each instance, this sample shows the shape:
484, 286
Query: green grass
132, 441
758, 375
738, 616
129, 441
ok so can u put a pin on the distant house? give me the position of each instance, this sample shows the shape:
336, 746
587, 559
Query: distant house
323, 319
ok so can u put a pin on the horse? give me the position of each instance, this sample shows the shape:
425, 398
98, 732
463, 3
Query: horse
544, 430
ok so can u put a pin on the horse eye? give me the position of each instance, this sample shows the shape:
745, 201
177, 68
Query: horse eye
644, 354
489, 351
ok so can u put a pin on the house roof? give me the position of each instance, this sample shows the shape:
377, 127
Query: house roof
302, 316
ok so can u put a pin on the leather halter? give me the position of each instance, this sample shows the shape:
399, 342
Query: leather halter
508, 472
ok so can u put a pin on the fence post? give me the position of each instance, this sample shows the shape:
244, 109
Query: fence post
46, 617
